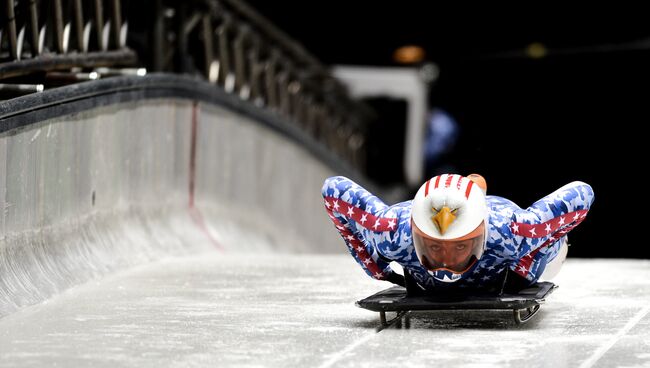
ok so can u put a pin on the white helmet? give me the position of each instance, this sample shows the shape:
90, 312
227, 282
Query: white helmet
448, 221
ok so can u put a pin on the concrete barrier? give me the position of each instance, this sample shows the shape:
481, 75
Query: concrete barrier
102, 176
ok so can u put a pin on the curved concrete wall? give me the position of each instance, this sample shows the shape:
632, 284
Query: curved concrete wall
109, 187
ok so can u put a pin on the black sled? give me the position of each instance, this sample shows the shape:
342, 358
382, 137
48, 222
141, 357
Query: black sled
524, 302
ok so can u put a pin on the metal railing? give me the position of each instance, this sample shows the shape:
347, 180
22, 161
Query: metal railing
42, 36
49, 43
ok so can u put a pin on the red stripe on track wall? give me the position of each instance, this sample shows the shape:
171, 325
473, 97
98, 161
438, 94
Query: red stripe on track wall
195, 213
195, 119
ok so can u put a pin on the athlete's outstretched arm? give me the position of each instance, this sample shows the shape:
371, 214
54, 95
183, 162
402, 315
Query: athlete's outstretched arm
552, 217
355, 213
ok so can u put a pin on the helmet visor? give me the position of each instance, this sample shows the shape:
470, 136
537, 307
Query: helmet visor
456, 255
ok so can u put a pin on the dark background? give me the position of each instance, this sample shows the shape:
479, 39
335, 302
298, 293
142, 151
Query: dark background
528, 125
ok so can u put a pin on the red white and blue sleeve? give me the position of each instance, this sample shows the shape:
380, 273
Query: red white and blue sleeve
361, 219
551, 218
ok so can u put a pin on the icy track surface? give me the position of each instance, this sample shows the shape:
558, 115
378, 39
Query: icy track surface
298, 311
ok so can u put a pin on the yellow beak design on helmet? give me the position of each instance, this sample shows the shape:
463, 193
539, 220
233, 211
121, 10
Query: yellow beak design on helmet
444, 218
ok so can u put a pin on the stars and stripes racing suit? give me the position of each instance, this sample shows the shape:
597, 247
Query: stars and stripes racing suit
522, 240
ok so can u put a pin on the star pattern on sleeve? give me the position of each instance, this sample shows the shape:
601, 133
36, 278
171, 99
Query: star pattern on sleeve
362, 216
551, 226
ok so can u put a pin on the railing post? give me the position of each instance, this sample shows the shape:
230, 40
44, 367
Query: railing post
99, 25
79, 25
224, 50
116, 23
240, 59
33, 28
11, 28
